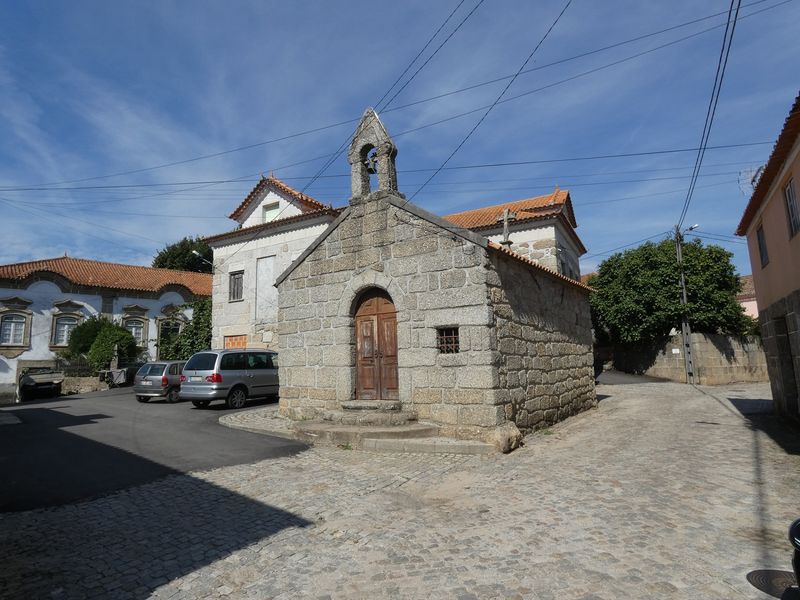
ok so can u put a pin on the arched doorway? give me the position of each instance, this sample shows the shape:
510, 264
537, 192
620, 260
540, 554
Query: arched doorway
376, 346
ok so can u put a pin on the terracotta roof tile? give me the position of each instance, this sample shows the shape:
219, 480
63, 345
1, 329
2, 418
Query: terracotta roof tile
780, 152
116, 276
748, 288
529, 209
306, 202
253, 229
531, 263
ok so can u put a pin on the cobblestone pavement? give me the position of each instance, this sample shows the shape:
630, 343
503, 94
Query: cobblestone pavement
663, 491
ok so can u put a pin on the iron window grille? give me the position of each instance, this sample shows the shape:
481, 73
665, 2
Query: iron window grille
447, 340
235, 287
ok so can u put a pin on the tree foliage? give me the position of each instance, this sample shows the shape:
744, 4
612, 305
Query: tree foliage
637, 294
194, 337
179, 256
110, 336
84, 335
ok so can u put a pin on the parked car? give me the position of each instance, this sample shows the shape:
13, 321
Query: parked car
229, 375
160, 379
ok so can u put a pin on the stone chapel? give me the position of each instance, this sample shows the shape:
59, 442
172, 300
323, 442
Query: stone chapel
395, 310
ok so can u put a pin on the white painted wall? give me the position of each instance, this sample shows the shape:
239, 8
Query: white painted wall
44, 294
254, 215
547, 243
262, 260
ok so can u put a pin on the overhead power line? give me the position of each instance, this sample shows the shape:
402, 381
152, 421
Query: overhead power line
490, 107
607, 252
722, 63
416, 102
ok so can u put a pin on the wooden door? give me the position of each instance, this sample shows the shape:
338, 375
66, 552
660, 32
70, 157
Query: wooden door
376, 347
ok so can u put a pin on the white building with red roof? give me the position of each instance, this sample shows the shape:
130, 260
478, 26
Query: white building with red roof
42, 301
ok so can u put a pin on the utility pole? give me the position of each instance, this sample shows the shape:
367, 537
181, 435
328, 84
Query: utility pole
686, 331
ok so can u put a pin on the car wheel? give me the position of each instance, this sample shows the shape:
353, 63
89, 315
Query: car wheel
201, 403
142, 398
172, 395
237, 398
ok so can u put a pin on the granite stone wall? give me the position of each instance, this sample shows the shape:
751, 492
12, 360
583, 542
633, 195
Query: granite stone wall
780, 331
544, 345
718, 359
435, 279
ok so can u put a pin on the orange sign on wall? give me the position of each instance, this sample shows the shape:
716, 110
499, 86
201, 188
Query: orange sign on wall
235, 341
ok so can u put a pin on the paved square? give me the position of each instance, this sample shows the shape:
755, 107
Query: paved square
663, 491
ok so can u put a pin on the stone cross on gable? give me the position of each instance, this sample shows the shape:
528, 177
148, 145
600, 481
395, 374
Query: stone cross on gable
507, 214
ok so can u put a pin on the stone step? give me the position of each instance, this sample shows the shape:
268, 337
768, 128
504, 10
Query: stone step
376, 418
372, 405
429, 445
334, 434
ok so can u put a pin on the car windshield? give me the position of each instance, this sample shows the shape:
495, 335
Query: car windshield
151, 369
201, 362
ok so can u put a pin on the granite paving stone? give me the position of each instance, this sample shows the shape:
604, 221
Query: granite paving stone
662, 491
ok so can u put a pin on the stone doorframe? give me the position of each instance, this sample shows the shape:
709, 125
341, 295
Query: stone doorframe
348, 303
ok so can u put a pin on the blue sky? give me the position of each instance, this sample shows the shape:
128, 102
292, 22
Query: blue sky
90, 89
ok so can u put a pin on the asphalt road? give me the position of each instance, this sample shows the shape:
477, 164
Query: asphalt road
78, 447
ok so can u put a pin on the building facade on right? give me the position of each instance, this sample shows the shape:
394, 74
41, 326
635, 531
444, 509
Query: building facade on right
771, 223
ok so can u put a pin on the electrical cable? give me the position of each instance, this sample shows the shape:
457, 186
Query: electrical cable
719, 76
489, 109
468, 88
607, 252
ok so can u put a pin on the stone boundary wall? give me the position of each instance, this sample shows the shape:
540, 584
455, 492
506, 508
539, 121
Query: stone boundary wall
780, 329
435, 279
544, 341
718, 359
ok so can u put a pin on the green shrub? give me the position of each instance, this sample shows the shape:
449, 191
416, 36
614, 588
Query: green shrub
84, 335
195, 335
102, 350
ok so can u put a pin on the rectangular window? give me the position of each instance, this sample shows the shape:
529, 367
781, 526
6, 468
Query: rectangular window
762, 246
136, 327
63, 329
270, 211
447, 340
236, 361
235, 286
235, 341
12, 330
792, 210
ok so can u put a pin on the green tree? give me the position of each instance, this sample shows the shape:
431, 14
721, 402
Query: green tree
110, 338
84, 335
637, 295
179, 256
194, 337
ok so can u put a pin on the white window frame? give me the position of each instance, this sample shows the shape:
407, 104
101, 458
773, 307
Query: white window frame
792, 209
57, 341
140, 341
19, 322
270, 211
233, 276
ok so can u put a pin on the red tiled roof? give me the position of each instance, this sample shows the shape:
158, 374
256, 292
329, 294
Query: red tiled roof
306, 202
529, 209
531, 263
748, 288
254, 229
81, 271
780, 152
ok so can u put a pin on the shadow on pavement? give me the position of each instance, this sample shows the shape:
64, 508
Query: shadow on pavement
127, 544
761, 417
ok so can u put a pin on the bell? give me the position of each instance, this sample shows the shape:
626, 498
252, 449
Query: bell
372, 164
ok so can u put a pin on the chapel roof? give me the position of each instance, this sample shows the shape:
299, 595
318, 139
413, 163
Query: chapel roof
81, 271
306, 202
780, 152
253, 230
527, 209
748, 288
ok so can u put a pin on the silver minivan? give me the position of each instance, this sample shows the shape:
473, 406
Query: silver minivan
158, 380
230, 375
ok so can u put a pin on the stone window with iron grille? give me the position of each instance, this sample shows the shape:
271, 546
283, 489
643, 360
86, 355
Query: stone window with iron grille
447, 340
